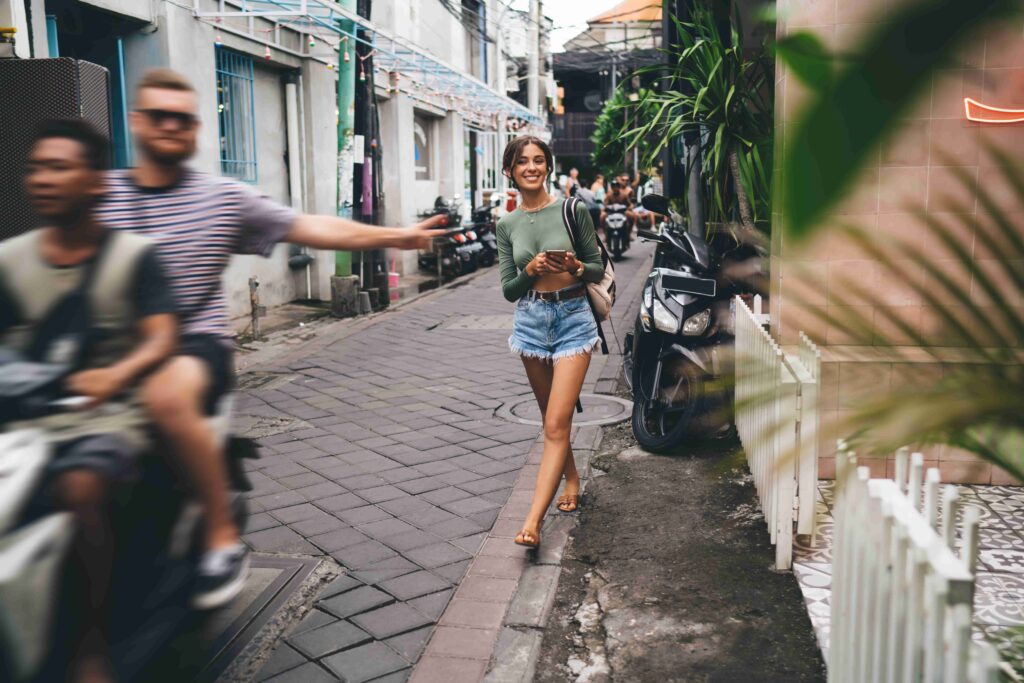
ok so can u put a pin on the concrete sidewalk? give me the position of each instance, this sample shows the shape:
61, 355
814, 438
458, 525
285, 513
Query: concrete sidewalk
383, 456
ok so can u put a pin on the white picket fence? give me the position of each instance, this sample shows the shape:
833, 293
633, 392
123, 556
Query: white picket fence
901, 596
777, 420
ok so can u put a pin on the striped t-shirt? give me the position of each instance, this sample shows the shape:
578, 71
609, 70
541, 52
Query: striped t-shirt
197, 224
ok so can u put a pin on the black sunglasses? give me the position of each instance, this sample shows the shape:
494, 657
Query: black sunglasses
158, 117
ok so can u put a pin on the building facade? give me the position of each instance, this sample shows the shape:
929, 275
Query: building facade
267, 84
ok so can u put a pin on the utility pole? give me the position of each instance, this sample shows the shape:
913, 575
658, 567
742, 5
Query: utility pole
533, 73
346, 113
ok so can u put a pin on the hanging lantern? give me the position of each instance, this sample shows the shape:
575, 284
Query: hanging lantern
345, 56
362, 74
266, 52
216, 39
330, 66
312, 41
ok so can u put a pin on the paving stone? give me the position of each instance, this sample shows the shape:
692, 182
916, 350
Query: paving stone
428, 517
438, 669
421, 485
432, 606
486, 518
381, 493
363, 515
487, 588
470, 506
327, 639
431, 469
299, 481
317, 525
414, 585
406, 505
260, 521
279, 540
436, 555
471, 544
314, 619
445, 495
365, 663
410, 645
307, 673
338, 539
339, 502
385, 569
391, 620
281, 659
474, 614
345, 582
452, 572
325, 489
355, 601
362, 555
471, 643
455, 528
284, 469
481, 486
397, 677
399, 474
297, 513
276, 501
410, 540
385, 527
457, 477
362, 481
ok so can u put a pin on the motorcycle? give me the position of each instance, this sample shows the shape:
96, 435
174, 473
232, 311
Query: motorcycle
617, 229
484, 225
676, 353
158, 544
443, 257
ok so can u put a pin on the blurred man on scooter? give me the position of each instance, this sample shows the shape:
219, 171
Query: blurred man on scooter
77, 295
198, 222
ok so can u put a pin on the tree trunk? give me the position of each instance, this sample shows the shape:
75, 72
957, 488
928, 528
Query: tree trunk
742, 200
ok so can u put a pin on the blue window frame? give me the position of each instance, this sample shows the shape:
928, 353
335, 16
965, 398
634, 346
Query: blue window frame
236, 115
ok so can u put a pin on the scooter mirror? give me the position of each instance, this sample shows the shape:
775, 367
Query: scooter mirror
656, 203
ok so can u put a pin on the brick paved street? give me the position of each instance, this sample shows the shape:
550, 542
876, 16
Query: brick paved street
384, 454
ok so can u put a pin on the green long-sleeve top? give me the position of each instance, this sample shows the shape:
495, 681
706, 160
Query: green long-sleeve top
522, 235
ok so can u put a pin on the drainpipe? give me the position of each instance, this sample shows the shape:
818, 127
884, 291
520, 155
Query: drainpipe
346, 129
298, 258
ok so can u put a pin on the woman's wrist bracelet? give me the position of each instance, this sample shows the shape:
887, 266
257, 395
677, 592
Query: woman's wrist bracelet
579, 272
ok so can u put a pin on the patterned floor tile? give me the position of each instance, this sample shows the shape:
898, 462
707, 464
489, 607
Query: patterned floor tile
999, 599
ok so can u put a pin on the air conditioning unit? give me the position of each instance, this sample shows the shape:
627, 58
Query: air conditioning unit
31, 91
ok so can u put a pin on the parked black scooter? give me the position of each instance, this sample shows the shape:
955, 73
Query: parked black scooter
443, 258
484, 225
674, 355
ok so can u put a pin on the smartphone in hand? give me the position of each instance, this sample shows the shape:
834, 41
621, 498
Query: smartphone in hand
557, 253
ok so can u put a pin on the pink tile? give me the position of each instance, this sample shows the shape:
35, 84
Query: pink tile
473, 614
486, 588
958, 472
902, 188
438, 669
909, 146
1001, 477
471, 643
498, 567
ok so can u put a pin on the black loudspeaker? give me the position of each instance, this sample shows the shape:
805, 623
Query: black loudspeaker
31, 91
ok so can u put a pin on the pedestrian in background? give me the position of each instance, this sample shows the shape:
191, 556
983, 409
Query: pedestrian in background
553, 330
572, 184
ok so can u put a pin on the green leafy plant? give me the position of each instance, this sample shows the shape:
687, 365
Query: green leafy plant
713, 89
611, 149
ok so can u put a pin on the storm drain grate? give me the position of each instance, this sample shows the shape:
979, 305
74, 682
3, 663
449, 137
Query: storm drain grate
598, 409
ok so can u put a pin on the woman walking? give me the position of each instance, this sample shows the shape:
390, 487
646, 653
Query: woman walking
554, 330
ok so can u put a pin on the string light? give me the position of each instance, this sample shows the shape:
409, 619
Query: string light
266, 52
312, 41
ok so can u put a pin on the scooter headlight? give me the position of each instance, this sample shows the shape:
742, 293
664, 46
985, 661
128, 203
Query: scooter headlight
663, 318
696, 324
645, 309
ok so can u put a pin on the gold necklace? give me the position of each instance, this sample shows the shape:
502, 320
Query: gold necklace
532, 213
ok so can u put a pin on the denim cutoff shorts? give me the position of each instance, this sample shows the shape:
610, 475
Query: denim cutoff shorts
550, 330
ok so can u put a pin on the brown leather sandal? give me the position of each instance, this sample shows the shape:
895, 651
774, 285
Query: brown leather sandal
528, 539
568, 503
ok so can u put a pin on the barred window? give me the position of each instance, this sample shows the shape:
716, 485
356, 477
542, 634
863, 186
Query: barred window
236, 115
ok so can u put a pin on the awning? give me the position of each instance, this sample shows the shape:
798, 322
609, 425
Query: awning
399, 64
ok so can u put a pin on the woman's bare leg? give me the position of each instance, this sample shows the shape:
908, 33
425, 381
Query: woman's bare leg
541, 373
567, 381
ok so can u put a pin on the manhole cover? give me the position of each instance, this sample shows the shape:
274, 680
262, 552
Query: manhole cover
250, 381
598, 409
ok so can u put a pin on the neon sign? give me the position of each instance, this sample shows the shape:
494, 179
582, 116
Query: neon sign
983, 113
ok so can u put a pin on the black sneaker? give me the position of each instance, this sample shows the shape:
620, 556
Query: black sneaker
222, 575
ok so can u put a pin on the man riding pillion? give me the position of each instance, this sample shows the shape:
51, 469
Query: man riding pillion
197, 222
79, 297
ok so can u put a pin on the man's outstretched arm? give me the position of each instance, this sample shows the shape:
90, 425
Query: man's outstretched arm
330, 232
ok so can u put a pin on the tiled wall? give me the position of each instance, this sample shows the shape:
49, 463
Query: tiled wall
916, 167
